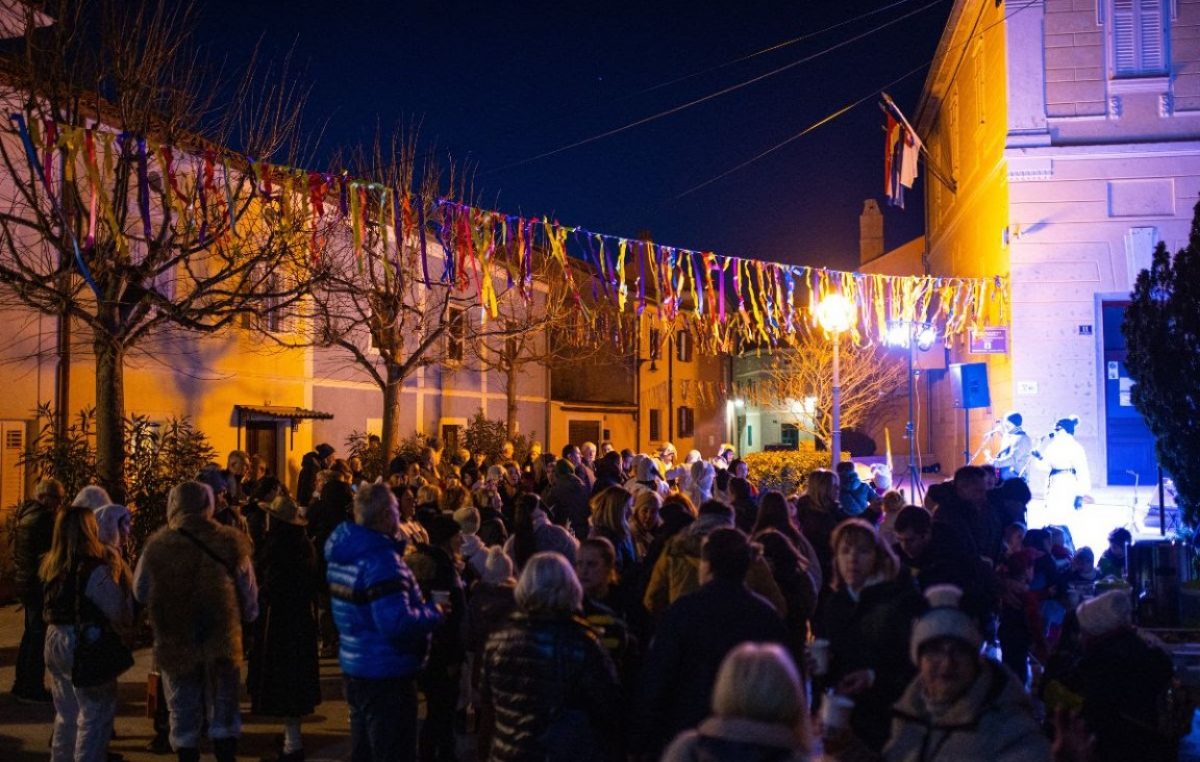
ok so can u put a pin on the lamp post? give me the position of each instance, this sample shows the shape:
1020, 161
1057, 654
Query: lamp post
835, 313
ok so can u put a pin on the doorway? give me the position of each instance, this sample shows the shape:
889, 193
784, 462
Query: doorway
263, 439
1130, 445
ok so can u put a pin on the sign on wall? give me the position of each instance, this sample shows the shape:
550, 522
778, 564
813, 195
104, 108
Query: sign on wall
992, 340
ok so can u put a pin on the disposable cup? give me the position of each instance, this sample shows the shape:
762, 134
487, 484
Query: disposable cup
835, 711
819, 651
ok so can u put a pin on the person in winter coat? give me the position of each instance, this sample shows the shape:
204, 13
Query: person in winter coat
284, 678
646, 476
385, 627
435, 568
567, 499
677, 570
777, 512
317, 460
700, 482
333, 506
197, 580
490, 605
610, 519
33, 533
854, 496
787, 568
818, 513
473, 551
547, 680
758, 712
1123, 681
254, 511
608, 472
960, 706
645, 520
745, 504
695, 634
533, 533
867, 619
86, 585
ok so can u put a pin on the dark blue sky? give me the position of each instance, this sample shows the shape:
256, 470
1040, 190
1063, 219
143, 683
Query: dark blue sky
496, 83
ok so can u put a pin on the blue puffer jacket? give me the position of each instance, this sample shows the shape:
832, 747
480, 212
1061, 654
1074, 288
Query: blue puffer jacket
383, 621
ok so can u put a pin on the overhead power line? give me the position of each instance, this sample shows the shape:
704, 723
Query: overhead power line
717, 94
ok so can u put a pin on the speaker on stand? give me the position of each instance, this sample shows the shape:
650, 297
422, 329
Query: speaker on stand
969, 388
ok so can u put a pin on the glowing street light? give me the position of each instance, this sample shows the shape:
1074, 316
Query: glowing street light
835, 313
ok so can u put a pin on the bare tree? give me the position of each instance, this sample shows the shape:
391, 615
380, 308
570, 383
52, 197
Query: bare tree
120, 211
383, 301
532, 329
796, 379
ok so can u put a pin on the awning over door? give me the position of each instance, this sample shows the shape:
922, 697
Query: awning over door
293, 415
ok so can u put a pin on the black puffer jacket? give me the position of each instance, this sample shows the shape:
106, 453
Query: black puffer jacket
553, 690
32, 535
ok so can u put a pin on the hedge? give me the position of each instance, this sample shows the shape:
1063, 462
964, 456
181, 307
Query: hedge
785, 470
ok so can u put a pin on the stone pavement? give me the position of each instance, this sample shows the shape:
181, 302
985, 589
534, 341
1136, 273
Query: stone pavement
25, 729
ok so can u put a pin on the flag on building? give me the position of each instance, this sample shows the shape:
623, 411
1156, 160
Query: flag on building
901, 150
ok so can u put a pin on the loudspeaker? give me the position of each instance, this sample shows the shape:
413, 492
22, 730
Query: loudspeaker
969, 385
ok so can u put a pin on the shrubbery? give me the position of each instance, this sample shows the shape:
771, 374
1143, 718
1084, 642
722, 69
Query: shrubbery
786, 470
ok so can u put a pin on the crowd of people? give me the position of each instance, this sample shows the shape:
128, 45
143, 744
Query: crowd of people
598, 604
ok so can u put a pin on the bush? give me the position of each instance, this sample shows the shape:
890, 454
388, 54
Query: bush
486, 436
786, 471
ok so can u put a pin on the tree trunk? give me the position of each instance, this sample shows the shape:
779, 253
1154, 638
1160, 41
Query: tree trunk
510, 392
393, 392
110, 416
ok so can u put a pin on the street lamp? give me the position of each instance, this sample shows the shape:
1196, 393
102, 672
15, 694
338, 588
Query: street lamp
912, 335
835, 313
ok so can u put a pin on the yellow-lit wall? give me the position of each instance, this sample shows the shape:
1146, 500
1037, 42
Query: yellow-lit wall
963, 120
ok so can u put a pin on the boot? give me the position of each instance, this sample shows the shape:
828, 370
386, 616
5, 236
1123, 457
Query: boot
225, 749
188, 755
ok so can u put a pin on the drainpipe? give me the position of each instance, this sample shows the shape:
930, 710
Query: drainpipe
671, 390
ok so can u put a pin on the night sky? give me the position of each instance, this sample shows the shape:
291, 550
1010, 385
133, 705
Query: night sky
495, 84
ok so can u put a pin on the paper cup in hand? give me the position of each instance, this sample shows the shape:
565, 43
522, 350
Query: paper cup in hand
835, 711
819, 651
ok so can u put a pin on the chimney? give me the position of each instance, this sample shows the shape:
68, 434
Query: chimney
870, 232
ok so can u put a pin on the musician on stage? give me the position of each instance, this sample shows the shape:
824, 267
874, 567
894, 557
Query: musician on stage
1016, 449
1069, 481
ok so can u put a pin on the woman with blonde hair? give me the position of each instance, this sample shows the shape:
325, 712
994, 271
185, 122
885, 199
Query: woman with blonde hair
88, 588
646, 520
817, 513
867, 619
610, 520
547, 680
758, 711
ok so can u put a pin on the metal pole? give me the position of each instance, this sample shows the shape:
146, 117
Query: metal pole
909, 428
1162, 504
967, 440
836, 439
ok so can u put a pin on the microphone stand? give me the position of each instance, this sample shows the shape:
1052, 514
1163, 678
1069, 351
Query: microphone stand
986, 438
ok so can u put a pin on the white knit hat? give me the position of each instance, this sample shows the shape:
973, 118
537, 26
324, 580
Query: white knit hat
468, 519
944, 619
497, 567
1105, 613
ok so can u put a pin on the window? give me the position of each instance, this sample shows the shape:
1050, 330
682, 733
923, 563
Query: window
687, 422
749, 436
655, 344
1138, 31
655, 426
455, 334
683, 346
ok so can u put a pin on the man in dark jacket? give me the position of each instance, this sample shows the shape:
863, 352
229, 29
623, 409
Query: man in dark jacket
965, 516
319, 458
931, 557
567, 499
696, 633
32, 533
435, 567
384, 625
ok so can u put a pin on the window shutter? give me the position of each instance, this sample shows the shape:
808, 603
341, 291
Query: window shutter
1153, 57
1124, 37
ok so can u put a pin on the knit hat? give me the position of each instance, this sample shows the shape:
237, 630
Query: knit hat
1105, 613
497, 567
944, 619
109, 519
324, 450
1014, 418
442, 528
1067, 424
646, 470
467, 518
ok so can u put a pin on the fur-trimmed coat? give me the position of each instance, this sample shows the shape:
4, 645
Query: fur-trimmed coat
196, 604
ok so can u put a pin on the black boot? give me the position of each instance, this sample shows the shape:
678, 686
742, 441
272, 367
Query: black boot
188, 755
225, 749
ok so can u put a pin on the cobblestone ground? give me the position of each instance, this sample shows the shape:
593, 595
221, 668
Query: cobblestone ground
25, 729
